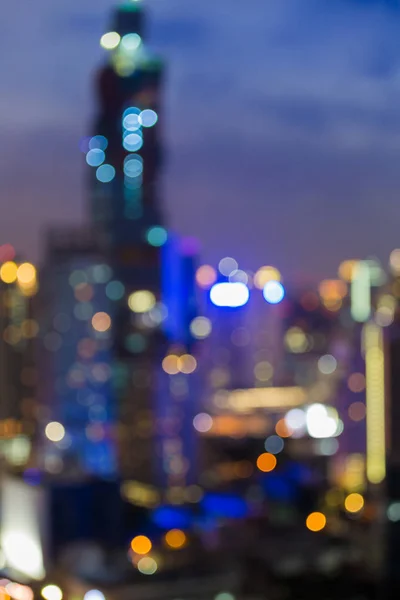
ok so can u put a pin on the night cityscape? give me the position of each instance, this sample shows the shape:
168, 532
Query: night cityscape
187, 415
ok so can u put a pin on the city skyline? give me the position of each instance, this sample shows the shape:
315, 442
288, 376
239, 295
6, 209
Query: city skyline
266, 145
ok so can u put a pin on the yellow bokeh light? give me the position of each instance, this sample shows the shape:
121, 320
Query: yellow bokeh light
346, 269
187, 364
266, 462
316, 521
8, 272
101, 321
55, 432
263, 371
264, 275
26, 274
51, 592
175, 538
354, 503
147, 565
375, 403
170, 364
141, 301
141, 544
29, 328
394, 261
332, 289
110, 40
206, 276
296, 340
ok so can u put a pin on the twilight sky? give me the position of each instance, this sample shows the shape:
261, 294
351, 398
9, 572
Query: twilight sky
281, 124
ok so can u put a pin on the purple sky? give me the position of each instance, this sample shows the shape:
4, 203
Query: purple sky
281, 123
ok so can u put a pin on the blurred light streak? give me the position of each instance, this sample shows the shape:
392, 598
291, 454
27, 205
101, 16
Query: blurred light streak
361, 292
375, 403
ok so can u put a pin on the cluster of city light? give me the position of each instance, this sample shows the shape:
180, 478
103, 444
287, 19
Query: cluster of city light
96, 156
141, 545
174, 364
227, 294
317, 420
24, 275
133, 120
235, 292
332, 292
128, 42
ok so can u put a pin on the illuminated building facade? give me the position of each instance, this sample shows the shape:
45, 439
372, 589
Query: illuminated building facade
18, 374
78, 414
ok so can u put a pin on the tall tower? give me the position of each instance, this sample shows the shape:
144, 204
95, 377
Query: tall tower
125, 155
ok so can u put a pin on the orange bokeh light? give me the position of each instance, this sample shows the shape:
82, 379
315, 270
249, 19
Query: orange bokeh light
206, 276
175, 538
141, 544
356, 382
266, 462
357, 411
316, 521
282, 429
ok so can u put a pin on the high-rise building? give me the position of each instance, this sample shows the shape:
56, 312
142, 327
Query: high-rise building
125, 153
144, 286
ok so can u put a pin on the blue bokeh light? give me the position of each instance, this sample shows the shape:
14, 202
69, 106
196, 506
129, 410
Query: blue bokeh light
168, 517
157, 236
131, 122
115, 290
133, 165
105, 173
95, 157
148, 117
131, 41
98, 142
274, 292
133, 142
230, 295
224, 505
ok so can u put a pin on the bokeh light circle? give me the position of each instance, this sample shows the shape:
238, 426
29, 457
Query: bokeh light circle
273, 292
266, 462
316, 521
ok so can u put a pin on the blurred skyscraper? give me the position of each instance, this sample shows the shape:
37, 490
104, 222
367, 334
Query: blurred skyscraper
126, 289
